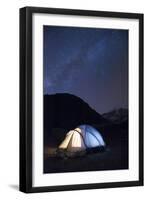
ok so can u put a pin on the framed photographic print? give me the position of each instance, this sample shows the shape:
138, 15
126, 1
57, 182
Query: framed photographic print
81, 99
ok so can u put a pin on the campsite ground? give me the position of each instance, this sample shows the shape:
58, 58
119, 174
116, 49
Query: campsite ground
64, 112
114, 157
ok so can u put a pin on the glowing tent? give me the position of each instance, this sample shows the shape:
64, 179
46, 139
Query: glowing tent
82, 138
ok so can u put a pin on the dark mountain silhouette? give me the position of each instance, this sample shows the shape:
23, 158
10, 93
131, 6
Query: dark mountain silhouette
117, 115
67, 111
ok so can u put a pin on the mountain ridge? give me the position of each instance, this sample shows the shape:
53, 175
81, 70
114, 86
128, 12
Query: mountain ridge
65, 110
117, 115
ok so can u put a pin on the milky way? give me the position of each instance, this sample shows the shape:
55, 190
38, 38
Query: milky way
89, 63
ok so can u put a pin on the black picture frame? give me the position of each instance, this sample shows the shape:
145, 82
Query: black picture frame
26, 92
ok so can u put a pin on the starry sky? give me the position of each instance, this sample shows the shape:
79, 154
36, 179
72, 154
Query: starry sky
91, 63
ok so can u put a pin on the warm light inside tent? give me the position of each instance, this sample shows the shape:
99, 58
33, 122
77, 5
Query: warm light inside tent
65, 143
76, 142
78, 130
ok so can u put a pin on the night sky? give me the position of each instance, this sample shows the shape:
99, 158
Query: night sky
90, 63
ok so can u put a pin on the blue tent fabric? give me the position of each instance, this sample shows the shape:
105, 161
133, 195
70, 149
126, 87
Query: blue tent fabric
92, 137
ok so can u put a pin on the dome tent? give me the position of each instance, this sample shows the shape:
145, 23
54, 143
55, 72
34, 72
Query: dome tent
81, 139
